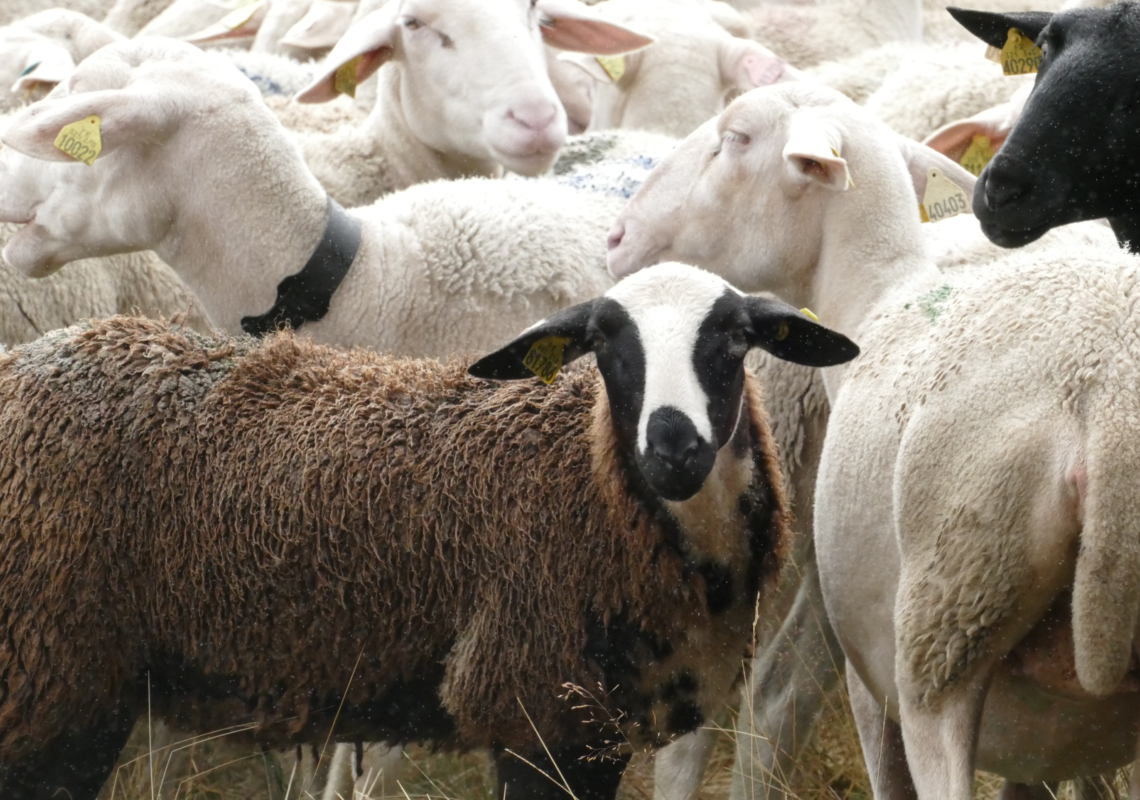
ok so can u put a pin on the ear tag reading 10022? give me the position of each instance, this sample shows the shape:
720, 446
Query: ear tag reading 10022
613, 65
1020, 56
977, 155
544, 358
344, 81
943, 198
81, 140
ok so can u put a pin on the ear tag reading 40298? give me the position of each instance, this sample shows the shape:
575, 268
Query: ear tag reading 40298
1020, 56
81, 140
544, 358
943, 198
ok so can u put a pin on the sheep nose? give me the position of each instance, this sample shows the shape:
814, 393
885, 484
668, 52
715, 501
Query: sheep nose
671, 437
536, 116
1004, 184
617, 233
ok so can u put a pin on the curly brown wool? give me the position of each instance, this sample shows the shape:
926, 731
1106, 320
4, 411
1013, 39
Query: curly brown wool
247, 521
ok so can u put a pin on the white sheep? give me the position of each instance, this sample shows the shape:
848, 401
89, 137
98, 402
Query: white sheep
466, 95
484, 256
683, 79
128, 17
906, 418
14, 10
39, 51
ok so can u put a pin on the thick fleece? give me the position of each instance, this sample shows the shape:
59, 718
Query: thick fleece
489, 541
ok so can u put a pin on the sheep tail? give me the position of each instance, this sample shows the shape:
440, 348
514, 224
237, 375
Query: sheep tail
1106, 590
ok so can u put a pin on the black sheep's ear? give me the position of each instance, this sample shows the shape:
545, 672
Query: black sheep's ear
543, 349
794, 336
993, 28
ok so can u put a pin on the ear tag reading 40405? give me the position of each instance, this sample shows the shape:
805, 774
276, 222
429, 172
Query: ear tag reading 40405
81, 140
544, 358
943, 198
1020, 56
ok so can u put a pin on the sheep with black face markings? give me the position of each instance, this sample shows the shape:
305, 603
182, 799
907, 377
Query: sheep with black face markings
641, 517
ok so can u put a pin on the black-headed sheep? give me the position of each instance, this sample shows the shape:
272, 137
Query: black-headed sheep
177, 506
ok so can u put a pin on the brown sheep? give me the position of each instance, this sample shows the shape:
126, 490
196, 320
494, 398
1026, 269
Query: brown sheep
444, 554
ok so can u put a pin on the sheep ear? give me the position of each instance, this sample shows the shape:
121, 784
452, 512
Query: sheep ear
813, 156
920, 159
953, 139
322, 26
542, 349
793, 336
570, 25
588, 64
748, 65
240, 23
124, 116
370, 40
48, 64
993, 28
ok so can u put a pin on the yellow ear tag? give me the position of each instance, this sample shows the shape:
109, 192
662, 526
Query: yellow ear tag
943, 198
613, 65
977, 155
807, 313
782, 332
240, 16
544, 358
81, 140
345, 79
1020, 56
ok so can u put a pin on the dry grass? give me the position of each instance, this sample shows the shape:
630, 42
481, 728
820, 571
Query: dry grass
215, 768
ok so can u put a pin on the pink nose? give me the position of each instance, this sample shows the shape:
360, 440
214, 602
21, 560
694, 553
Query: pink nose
617, 233
534, 116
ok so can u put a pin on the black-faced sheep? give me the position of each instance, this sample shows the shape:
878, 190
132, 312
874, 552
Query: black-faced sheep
176, 506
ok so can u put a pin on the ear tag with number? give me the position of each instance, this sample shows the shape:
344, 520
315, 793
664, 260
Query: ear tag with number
344, 81
544, 358
81, 140
1020, 56
613, 65
807, 313
977, 155
943, 198
240, 16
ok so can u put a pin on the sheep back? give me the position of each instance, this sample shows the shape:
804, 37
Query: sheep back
262, 529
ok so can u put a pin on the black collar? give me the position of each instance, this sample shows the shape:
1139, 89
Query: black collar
305, 296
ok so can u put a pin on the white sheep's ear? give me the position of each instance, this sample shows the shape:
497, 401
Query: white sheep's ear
813, 156
588, 64
46, 64
570, 25
366, 47
241, 23
920, 159
125, 115
954, 138
748, 65
323, 26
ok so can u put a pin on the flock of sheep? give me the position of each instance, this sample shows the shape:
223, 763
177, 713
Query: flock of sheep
398, 389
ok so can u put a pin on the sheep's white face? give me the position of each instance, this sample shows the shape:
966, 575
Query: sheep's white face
685, 78
473, 77
670, 344
741, 195
148, 94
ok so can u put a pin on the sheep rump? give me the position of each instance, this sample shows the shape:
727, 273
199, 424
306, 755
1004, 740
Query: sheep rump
353, 506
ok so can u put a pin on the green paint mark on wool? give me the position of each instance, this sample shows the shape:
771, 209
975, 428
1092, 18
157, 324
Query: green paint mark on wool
929, 302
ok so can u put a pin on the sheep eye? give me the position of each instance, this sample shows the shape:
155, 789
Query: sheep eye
411, 23
735, 136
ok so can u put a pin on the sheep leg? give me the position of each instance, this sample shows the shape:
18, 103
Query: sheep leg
579, 771
789, 683
942, 738
75, 765
882, 742
679, 767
